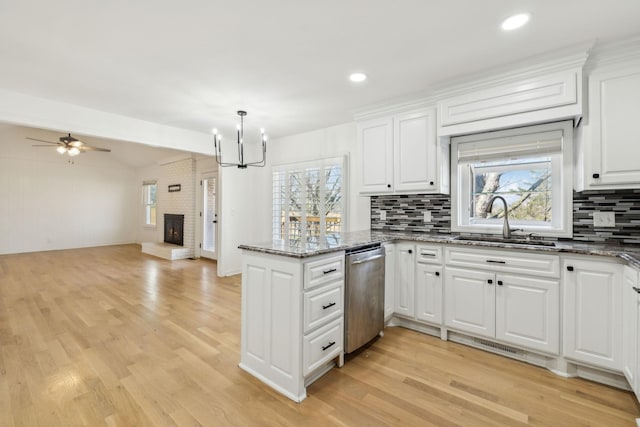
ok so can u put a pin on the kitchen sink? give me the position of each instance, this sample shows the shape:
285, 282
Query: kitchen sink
520, 241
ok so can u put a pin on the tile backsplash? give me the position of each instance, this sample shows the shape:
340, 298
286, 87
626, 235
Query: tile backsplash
406, 213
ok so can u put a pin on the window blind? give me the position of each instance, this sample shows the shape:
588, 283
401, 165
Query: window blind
510, 146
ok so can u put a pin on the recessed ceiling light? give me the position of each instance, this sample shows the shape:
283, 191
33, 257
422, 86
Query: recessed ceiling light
515, 21
358, 77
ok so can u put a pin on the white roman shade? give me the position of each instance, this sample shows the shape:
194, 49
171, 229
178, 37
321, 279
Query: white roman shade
479, 149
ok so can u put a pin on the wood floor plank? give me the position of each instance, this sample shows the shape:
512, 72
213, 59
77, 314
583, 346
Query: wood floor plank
110, 336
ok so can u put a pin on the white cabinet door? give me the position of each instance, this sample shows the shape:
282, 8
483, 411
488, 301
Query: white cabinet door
593, 312
415, 151
404, 280
528, 312
469, 297
375, 139
613, 135
428, 290
629, 324
389, 279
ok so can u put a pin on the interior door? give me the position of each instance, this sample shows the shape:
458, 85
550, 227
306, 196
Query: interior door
209, 216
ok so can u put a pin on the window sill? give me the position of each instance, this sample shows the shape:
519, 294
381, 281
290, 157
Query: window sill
150, 227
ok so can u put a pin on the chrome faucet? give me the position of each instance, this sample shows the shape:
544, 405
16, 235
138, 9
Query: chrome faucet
506, 230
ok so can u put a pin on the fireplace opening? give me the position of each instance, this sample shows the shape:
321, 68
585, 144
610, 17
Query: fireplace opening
174, 229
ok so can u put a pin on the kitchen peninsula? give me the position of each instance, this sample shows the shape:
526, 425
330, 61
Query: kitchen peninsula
293, 302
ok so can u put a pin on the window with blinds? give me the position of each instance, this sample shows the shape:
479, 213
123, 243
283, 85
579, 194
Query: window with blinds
308, 200
529, 167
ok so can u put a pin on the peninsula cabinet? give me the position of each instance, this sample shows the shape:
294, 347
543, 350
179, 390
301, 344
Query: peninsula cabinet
611, 137
504, 295
400, 154
292, 319
592, 308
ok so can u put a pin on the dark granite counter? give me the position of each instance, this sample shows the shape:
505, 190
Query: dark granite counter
352, 240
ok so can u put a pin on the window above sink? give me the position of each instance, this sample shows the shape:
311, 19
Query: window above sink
530, 167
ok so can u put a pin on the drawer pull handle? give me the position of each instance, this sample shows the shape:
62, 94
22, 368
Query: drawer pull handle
569, 268
490, 281
636, 289
331, 270
331, 344
496, 261
499, 282
437, 273
427, 254
324, 307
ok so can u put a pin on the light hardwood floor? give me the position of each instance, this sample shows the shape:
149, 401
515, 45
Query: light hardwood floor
109, 336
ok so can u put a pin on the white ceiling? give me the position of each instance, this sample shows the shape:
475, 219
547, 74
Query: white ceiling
127, 153
193, 63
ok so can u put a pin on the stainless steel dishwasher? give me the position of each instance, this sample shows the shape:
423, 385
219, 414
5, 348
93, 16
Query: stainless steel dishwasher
364, 296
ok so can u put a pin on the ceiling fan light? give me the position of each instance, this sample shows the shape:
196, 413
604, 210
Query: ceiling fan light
74, 151
61, 150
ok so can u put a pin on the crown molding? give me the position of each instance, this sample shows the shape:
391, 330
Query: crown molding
613, 53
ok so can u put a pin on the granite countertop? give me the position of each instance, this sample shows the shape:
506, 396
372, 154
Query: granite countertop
352, 240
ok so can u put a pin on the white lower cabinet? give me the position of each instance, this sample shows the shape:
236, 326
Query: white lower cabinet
528, 312
592, 309
403, 299
389, 279
470, 301
515, 309
428, 292
630, 293
292, 319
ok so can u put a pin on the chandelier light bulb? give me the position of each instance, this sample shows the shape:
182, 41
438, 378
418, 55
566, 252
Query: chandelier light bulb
61, 150
214, 131
73, 151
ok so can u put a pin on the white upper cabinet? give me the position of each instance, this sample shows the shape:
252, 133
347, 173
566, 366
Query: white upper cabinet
507, 100
547, 92
375, 140
401, 154
414, 151
612, 136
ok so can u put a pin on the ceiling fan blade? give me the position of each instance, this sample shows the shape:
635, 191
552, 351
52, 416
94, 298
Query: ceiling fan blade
47, 146
42, 140
89, 148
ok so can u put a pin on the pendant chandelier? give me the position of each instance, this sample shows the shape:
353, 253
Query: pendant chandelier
217, 144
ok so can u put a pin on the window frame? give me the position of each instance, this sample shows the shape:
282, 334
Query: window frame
146, 185
300, 166
561, 184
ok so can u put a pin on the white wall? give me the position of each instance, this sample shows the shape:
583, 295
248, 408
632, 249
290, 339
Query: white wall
47, 203
246, 194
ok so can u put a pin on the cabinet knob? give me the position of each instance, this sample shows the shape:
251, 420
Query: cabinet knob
437, 273
636, 289
596, 175
490, 281
499, 282
410, 251
569, 268
430, 182
388, 185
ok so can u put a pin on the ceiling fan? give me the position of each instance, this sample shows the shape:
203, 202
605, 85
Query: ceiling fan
69, 145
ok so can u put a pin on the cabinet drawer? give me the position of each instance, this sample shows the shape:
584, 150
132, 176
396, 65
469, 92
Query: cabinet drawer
429, 254
322, 304
505, 261
322, 345
324, 270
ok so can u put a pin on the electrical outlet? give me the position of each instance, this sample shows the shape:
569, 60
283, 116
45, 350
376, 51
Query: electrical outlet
383, 215
604, 219
427, 216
